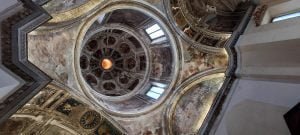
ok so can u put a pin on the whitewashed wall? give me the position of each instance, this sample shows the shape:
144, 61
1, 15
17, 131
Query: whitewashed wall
268, 83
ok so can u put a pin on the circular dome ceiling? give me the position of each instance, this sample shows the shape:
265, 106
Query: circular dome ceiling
207, 24
126, 59
113, 62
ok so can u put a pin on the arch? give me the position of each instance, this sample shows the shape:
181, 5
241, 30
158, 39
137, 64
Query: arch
187, 89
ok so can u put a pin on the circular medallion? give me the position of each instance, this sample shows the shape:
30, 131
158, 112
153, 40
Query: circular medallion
90, 119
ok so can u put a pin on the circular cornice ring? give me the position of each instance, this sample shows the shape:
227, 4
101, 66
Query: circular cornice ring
205, 48
150, 11
146, 50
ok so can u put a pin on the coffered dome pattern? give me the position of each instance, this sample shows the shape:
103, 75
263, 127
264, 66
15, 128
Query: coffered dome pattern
113, 62
127, 60
137, 67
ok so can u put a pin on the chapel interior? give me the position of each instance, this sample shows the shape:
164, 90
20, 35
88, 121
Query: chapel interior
149, 67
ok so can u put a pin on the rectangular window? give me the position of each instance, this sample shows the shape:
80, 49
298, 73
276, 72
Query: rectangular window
153, 95
285, 17
153, 28
161, 85
155, 32
156, 90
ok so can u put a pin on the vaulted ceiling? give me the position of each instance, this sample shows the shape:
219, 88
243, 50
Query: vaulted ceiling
131, 67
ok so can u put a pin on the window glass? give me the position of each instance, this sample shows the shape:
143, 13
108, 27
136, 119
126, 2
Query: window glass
153, 95
155, 32
285, 17
152, 29
161, 85
156, 90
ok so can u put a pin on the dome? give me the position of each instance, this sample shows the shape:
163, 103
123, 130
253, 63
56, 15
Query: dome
206, 25
127, 60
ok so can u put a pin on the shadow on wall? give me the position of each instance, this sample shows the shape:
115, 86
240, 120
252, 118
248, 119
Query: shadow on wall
256, 118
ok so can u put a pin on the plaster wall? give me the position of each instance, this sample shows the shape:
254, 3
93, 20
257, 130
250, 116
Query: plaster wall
277, 7
6, 4
270, 2
8, 84
257, 107
267, 84
284, 7
270, 51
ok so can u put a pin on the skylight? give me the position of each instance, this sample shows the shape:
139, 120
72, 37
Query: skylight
153, 94
153, 28
155, 32
162, 85
156, 90
285, 17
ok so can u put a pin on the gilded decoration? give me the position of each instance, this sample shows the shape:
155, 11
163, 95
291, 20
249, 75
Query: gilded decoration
105, 62
90, 119
68, 116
